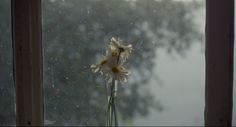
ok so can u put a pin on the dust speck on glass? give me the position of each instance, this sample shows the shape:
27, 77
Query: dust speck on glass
167, 64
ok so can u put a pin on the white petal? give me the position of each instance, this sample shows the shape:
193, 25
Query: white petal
93, 66
113, 39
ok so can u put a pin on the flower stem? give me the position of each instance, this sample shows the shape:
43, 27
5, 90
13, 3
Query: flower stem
111, 110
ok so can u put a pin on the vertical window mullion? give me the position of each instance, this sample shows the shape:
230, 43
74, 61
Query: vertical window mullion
27, 46
219, 62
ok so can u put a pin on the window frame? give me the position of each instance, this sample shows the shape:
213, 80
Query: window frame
28, 65
27, 61
219, 56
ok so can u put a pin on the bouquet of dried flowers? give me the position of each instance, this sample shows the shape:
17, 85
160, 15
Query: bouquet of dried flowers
111, 66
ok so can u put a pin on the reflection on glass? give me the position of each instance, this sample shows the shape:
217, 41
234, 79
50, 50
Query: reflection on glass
7, 96
167, 64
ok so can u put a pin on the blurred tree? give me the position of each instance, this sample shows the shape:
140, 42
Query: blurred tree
7, 100
76, 32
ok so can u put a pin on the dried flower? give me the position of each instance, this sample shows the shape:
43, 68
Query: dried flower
100, 66
111, 65
124, 50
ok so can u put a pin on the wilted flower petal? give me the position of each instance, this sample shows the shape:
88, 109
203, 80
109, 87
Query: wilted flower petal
124, 50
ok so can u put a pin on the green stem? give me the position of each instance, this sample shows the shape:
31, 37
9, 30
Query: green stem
111, 110
115, 113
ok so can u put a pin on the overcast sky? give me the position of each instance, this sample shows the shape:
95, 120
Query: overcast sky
182, 92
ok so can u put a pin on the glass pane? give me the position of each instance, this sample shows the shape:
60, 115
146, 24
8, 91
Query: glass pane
166, 86
7, 91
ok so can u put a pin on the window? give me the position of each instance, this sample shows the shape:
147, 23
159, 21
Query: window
167, 64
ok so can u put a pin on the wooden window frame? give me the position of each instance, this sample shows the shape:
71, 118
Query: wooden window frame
28, 68
219, 62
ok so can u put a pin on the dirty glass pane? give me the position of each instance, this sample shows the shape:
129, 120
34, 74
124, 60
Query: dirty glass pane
7, 96
166, 86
